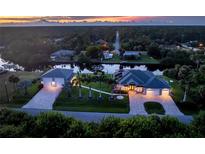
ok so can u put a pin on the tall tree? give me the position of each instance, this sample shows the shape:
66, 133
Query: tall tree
14, 79
185, 76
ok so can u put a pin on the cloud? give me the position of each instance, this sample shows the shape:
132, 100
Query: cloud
136, 19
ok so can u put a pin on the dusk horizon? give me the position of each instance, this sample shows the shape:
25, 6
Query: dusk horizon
113, 20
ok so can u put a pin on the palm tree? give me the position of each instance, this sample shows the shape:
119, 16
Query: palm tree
90, 93
79, 84
185, 75
100, 77
14, 79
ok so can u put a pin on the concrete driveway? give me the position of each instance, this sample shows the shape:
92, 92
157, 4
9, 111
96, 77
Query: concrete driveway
137, 104
44, 99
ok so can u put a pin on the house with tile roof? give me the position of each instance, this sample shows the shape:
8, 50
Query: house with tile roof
144, 82
62, 54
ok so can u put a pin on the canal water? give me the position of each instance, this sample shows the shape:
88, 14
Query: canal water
5, 65
107, 68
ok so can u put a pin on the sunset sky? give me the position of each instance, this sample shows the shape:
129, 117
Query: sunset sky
134, 19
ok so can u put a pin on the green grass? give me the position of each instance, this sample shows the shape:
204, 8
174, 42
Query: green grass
74, 103
143, 59
154, 108
178, 93
18, 99
104, 86
115, 59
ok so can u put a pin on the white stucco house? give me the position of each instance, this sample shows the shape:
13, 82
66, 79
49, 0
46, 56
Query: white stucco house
107, 55
57, 77
143, 82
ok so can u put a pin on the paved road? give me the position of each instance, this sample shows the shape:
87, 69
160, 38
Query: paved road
137, 104
44, 99
94, 116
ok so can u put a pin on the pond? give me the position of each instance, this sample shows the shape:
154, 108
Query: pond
87, 68
5, 65
108, 68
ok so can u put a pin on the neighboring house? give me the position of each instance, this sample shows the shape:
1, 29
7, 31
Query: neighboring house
107, 55
188, 46
62, 54
101, 42
57, 77
131, 55
144, 82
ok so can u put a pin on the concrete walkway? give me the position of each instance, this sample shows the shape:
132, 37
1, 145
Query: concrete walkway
137, 104
94, 116
103, 92
44, 99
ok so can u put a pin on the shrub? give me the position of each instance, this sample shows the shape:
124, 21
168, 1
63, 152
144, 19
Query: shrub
40, 86
9, 117
11, 131
52, 124
78, 129
198, 124
172, 127
154, 108
139, 126
109, 126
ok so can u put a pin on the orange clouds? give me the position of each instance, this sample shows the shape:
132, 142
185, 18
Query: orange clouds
67, 19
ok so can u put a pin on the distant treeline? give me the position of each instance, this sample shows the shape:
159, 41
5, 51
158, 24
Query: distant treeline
32, 46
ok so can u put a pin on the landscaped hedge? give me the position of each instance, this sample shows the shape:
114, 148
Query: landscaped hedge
52, 124
154, 108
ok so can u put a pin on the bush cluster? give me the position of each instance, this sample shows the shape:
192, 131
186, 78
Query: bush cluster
53, 124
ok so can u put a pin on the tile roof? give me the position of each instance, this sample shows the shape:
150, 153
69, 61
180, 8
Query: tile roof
59, 73
143, 78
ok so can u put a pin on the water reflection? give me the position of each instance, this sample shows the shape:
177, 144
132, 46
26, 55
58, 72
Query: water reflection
107, 68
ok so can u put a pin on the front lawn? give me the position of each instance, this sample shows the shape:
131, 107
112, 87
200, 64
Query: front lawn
154, 108
143, 59
85, 104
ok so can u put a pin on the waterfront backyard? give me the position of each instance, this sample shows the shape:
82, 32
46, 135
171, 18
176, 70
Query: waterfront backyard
144, 59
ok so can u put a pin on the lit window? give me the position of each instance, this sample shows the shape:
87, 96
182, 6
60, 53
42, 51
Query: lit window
139, 89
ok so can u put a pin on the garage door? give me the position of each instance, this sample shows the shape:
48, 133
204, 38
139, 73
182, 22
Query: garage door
59, 81
48, 81
153, 92
165, 92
